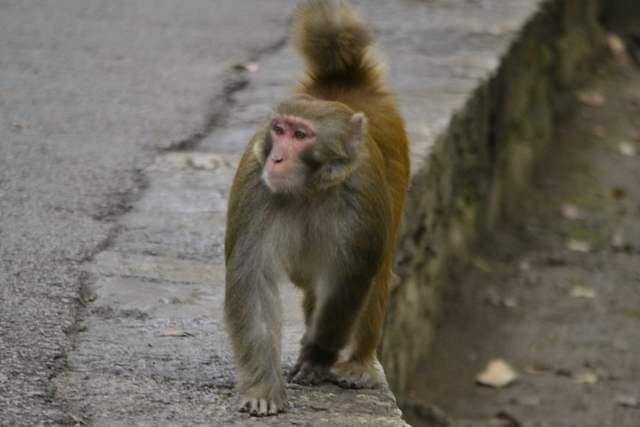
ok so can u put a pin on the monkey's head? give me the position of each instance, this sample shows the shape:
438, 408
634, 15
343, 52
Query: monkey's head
310, 145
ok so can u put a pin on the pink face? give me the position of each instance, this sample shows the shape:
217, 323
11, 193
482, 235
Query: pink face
291, 136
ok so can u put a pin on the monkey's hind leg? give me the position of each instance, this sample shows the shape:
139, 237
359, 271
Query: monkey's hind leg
356, 374
360, 367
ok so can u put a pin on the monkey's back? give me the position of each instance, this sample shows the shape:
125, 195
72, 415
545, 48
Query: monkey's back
335, 45
386, 128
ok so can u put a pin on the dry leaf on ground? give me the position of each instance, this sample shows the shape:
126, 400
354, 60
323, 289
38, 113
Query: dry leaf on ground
251, 67
482, 264
618, 47
175, 333
582, 292
498, 374
627, 148
628, 401
570, 211
616, 44
618, 241
493, 298
577, 245
590, 98
586, 378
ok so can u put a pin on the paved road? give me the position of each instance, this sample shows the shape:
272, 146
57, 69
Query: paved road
89, 90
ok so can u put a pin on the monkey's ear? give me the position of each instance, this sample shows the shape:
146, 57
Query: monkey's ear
361, 125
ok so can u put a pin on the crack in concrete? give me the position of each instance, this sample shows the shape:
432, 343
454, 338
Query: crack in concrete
121, 203
221, 104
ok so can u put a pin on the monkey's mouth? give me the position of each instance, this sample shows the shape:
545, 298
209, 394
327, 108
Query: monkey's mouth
281, 183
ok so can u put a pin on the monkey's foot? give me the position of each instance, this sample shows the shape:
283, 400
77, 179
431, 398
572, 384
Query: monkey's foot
258, 403
353, 374
307, 373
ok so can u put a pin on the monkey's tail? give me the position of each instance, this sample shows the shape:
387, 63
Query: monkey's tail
334, 43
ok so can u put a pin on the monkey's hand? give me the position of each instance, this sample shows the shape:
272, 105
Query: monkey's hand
261, 401
314, 364
305, 372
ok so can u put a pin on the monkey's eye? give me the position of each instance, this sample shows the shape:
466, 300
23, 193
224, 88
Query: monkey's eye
278, 129
300, 134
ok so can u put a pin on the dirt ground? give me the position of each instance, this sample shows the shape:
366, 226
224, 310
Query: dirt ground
556, 294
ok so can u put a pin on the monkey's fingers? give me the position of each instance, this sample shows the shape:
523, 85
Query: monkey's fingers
260, 407
309, 374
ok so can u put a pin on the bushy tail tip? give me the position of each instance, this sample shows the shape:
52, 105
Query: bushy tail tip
333, 41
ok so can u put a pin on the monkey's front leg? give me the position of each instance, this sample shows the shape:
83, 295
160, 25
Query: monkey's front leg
253, 318
330, 328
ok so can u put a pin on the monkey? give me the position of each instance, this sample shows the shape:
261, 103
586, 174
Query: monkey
316, 200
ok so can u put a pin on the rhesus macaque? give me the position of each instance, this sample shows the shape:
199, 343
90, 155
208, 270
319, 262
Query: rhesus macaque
317, 200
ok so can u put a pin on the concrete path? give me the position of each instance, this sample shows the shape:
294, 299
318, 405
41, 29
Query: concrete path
121, 124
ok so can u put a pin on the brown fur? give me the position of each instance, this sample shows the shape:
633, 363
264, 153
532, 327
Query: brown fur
340, 67
333, 233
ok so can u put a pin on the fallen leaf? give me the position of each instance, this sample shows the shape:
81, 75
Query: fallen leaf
503, 419
492, 297
524, 265
627, 148
570, 211
577, 245
628, 401
21, 124
510, 302
618, 242
482, 265
175, 333
497, 374
582, 292
616, 44
590, 98
251, 67
586, 378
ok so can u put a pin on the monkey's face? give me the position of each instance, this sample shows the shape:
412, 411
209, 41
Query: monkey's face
311, 145
291, 139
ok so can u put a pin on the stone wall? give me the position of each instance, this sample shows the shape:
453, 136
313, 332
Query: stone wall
479, 166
